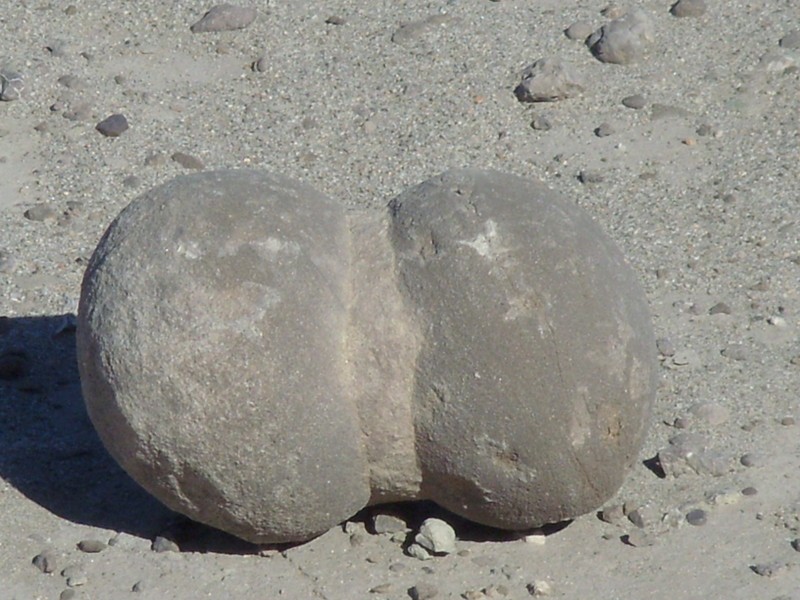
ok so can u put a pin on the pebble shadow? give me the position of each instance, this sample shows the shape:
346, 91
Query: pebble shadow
49, 450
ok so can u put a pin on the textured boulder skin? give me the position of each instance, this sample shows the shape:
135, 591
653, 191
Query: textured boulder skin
266, 362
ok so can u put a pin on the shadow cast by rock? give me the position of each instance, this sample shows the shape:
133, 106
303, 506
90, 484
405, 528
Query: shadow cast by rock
49, 450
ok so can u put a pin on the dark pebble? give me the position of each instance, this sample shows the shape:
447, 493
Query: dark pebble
423, 591
665, 347
787, 421
113, 126
139, 586
187, 161
91, 546
45, 561
750, 460
749, 491
335, 20
697, 517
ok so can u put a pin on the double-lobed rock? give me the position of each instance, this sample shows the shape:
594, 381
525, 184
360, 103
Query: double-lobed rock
268, 362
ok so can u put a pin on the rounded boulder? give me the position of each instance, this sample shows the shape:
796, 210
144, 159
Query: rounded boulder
267, 361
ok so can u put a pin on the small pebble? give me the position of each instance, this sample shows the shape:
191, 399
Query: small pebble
423, 591
75, 576
749, 491
67, 594
187, 161
335, 20
682, 423
688, 8
604, 130
612, 514
40, 212
638, 539
139, 586
162, 544
787, 421
113, 126
541, 123
791, 40
45, 561
750, 460
665, 347
624, 40
261, 65
635, 101
436, 536
580, 30
720, 308
91, 546
548, 80
697, 517
225, 17
11, 85
381, 589
769, 569
735, 352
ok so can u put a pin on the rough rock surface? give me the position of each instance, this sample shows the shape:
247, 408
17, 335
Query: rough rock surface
548, 80
267, 363
624, 40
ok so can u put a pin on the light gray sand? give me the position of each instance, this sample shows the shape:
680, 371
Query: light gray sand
704, 219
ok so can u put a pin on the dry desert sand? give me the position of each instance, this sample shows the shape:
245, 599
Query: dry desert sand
696, 180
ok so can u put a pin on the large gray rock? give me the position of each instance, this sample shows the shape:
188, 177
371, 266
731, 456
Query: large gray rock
624, 40
268, 363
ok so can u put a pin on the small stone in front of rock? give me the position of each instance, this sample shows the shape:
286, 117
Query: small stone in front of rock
688, 8
388, 523
91, 546
162, 544
697, 517
579, 30
225, 17
45, 561
187, 161
113, 126
423, 591
548, 80
636, 101
436, 536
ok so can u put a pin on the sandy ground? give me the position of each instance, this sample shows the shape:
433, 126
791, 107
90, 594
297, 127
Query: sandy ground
701, 193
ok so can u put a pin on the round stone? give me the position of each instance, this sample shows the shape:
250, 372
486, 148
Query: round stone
268, 362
